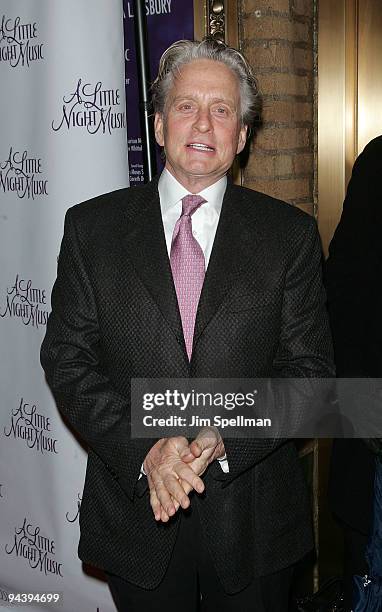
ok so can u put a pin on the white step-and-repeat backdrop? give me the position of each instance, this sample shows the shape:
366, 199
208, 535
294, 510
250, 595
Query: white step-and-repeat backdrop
62, 141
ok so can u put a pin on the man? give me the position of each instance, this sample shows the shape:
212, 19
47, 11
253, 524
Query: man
132, 299
353, 280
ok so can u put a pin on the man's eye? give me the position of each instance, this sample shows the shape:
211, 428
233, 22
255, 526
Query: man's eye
186, 106
221, 110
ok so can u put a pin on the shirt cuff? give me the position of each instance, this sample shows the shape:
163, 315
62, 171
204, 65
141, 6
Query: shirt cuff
224, 464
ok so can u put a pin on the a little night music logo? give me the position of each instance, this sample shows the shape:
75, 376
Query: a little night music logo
29, 424
25, 302
91, 107
22, 173
19, 42
38, 550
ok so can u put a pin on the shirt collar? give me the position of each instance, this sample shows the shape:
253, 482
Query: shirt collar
171, 192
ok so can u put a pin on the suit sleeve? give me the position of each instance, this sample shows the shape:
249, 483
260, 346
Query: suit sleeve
305, 347
71, 358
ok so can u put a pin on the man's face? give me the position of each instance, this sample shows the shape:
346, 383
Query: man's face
201, 129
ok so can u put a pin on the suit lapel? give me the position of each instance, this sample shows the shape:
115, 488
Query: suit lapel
146, 248
234, 244
144, 241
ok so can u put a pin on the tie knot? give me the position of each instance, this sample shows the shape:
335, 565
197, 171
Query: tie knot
190, 203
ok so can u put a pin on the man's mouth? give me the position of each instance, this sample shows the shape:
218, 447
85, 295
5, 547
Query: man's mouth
198, 146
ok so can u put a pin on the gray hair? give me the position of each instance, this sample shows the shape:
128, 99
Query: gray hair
185, 51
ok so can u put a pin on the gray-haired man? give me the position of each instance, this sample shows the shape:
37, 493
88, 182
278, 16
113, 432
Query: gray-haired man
188, 276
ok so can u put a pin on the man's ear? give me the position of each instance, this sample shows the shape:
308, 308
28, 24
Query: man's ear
242, 139
158, 129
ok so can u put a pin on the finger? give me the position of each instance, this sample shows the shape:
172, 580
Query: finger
176, 504
188, 456
207, 439
164, 497
187, 474
176, 491
161, 514
178, 444
164, 517
195, 448
171, 484
162, 492
186, 486
204, 456
187, 489
155, 504
199, 465
209, 433
203, 442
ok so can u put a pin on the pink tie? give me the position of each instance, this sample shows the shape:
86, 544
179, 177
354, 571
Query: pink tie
188, 267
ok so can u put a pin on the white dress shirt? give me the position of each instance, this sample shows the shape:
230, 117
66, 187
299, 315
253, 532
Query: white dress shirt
204, 222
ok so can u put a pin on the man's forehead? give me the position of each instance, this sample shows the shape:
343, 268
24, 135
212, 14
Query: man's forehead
212, 96
210, 79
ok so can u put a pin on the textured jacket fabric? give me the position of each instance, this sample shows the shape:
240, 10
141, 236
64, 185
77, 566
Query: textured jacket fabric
115, 316
353, 276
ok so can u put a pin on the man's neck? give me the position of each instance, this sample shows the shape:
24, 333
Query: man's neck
194, 184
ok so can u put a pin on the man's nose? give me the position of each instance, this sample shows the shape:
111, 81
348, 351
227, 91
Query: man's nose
203, 120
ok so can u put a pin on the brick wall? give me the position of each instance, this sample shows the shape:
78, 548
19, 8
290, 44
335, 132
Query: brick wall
277, 37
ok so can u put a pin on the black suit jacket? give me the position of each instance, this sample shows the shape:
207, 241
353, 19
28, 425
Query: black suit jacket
353, 276
115, 316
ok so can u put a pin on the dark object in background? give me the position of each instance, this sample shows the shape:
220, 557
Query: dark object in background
353, 276
368, 589
329, 598
143, 70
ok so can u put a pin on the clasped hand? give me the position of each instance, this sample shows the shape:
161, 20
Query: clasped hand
173, 468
